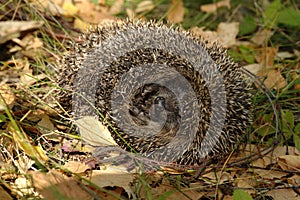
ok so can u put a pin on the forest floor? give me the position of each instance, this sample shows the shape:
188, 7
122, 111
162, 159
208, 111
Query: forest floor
42, 155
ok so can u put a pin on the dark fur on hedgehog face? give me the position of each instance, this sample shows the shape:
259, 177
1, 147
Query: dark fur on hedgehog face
156, 104
151, 105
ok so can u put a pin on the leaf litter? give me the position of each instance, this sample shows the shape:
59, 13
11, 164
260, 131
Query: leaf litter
73, 174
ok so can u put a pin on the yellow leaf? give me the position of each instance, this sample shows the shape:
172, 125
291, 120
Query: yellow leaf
70, 9
24, 143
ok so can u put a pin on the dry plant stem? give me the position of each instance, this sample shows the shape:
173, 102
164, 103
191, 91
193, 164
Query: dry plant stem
20, 135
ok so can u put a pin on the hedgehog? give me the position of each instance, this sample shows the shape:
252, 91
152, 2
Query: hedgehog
162, 91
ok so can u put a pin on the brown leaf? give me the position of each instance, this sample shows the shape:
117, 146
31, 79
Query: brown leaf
225, 34
88, 12
253, 68
76, 167
214, 6
8, 97
46, 124
275, 80
113, 176
267, 57
261, 37
247, 180
130, 13
218, 177
53, 186
283, 194
26, 76
289, 162
13, 29
53, 6
4, 194
174, 193
176, 11
295, 180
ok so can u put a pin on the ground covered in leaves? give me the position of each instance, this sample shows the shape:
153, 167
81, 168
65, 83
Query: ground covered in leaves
42, 156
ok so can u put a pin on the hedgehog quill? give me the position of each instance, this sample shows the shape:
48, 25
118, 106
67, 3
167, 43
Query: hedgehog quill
170, 95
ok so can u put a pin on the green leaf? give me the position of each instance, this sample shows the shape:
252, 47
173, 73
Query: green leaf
297, 128
297, 141
266, 130
271, 13
241, 194
236, 56
296, 136
2, 118
289, 17
288, 120
248, 53
248, 26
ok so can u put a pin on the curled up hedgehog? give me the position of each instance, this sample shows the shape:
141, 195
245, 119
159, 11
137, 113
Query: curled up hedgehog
162, 92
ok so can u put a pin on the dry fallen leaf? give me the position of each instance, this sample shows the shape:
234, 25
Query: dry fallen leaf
176, 11
275, 80
253, 68
289, 162
295, 180
76, 167
88, 13
82, 25
27, 78
69, 8
267, 57
13, 29
166, 187
22, 140
261, 37
53, 6
267, 174
113, 176
45, 124
117, 7
225, 35
54, 185
247, 180
4, 194
24, 163
130, 13
93, 132
8, 97
218, 177
144, 6
22, 187
283, 194
214, 6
